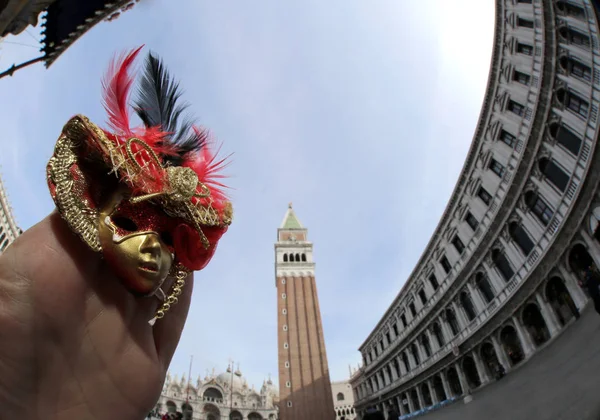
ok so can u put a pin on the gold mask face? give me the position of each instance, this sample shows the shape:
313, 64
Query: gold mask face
138, 252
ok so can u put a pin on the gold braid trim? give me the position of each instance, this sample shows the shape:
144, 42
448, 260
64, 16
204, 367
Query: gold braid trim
176, 200
79, 216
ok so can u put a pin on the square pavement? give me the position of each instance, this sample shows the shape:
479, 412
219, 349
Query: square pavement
559, 382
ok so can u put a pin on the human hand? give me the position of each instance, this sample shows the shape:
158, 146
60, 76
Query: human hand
74, 344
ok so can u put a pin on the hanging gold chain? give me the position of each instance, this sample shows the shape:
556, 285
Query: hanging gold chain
180, 274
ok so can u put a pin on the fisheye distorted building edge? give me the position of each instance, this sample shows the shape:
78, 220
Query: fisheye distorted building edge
545, 33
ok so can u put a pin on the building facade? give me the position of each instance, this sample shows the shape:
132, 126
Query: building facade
218, 397
8, 227
343, 400
304, 384
499, 278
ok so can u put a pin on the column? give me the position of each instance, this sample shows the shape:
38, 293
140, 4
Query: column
401, 406
434, 397
592, 246
512, 253
497, 282
578, 296
528, 346
381, 379
411, 405
548, 314
411, 359
447, 389
432, 342
421, 350
477, 300
420, 396
403, 370
463, 380
460, 317
386, 377
393, 369
481, 370
446, 331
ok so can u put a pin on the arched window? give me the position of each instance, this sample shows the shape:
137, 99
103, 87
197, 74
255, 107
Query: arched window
554, 173
484, 287
452, 321
304, 257
539, 207
285, 258
576, 68
570, 9
575, 37
573, 102
298, 257
566, 137
340, 396
521, 238
502, 264
467, 304
439, 336
426, 345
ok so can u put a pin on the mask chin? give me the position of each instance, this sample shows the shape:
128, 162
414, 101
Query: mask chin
139, 258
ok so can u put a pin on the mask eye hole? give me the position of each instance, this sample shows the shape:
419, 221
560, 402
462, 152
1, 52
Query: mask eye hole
167, 238
124, 223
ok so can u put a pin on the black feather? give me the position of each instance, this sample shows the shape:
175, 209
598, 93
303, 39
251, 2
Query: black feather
159, 104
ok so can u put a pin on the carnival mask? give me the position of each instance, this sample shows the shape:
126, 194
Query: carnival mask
148, 198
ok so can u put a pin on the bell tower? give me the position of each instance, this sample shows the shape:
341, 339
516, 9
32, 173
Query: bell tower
304, 383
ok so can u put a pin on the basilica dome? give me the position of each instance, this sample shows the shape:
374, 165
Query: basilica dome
234, 380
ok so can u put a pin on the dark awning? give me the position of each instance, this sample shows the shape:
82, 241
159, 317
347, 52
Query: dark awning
67, 20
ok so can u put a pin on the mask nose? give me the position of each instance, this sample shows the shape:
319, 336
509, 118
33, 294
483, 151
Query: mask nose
151, 245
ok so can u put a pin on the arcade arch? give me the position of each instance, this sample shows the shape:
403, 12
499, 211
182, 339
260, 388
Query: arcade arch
454, 382
235, 415
211, 412
560, 300
489, 357
171, 406
426, 394
580, 259
471, 373
535, 324
438, 388
511, 344
187, 411
415, 399
212, 394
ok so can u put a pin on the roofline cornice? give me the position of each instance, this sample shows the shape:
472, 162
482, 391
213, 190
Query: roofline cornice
484, 115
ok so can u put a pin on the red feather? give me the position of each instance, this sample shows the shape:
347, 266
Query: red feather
117, 86
209, 170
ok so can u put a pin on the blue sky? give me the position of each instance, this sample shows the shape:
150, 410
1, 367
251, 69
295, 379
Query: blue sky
361, 113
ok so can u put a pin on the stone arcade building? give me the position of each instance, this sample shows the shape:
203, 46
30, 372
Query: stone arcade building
498, 279
8, 227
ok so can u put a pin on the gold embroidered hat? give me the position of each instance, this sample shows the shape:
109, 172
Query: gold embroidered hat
149, 198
